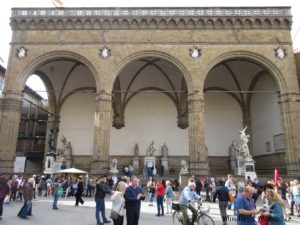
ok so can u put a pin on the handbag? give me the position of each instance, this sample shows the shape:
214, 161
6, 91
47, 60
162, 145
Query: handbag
230, 197
114, 215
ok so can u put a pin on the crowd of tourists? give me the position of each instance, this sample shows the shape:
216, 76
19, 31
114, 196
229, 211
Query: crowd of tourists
281, 199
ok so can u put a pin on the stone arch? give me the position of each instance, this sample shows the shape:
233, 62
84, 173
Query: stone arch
42, 59
251, 57
161, 55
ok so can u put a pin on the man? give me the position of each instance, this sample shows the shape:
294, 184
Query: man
222, 194
188, 195
133, 196
79, 192
231, 188
101, 190
245, 207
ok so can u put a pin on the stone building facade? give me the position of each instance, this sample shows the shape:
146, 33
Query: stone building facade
188, 77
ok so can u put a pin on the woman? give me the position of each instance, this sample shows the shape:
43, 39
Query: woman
4, 189
275, 213
118, 202
56, 194
28, 195
151, 190
170, 196
160, 193
176, 187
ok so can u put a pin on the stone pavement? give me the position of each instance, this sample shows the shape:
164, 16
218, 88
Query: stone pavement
68, 214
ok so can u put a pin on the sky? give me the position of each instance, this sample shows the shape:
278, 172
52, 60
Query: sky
36, 84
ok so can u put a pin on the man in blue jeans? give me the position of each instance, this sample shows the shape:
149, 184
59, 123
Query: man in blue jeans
101, 190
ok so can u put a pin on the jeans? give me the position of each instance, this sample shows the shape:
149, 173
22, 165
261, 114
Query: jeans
151, 196
56, 197
100, 207
222, 207
132, 218
25, 210
160, 205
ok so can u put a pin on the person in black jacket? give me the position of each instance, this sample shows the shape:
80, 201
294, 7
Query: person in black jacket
101, 190
79, 192
222, 194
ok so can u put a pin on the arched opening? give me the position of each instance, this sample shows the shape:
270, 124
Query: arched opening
71, 88
149, 101
239, 93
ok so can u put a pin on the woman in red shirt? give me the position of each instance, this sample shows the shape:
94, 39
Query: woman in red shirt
160, 192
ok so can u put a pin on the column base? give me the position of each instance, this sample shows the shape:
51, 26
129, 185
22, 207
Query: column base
199, 168
6, 167
99, 167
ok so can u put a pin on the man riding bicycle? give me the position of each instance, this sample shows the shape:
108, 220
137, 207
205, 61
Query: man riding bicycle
188, 196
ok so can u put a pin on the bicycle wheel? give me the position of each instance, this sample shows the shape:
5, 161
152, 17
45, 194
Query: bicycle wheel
205, 219
177, 218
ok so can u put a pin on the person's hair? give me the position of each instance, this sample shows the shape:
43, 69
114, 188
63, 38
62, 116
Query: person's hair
121, 187
133, 177
275, 197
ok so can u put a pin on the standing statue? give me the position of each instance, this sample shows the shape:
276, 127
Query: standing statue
184, 166
53, 139
164, 151
232, 153
136, 150
151, 150
243, 148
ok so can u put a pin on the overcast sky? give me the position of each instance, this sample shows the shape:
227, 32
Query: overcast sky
6, 5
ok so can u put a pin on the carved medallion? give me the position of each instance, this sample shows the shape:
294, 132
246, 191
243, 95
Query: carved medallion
280, 52
21, 52
105, 52
195, 52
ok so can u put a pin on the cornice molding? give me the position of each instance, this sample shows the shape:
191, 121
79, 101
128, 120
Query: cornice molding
150, 18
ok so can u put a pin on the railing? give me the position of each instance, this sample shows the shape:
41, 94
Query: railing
143, 12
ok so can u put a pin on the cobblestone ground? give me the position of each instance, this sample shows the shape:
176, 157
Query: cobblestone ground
68, 214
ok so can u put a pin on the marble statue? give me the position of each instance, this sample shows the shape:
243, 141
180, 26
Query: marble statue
242, 148
64, 152
164, 151
113, 166
184, 166
136, 150
151, 150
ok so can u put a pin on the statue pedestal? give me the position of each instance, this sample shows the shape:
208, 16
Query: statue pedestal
164, 162
183, 179
245, 168
136, 165
149, 161
49, 164
114, 171
250, 169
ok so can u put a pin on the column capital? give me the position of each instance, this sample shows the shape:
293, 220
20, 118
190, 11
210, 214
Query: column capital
10, 104
289, 97
103, 95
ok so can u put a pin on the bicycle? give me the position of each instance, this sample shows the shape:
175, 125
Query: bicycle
202, 217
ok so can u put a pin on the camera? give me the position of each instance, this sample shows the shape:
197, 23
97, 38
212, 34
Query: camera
142, 197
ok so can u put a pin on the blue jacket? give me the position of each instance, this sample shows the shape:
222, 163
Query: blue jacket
132, 204
188, 195
276, 217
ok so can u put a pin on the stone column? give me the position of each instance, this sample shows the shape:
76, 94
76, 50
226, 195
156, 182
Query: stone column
198, 162
100, 158
10, 110
290, 109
